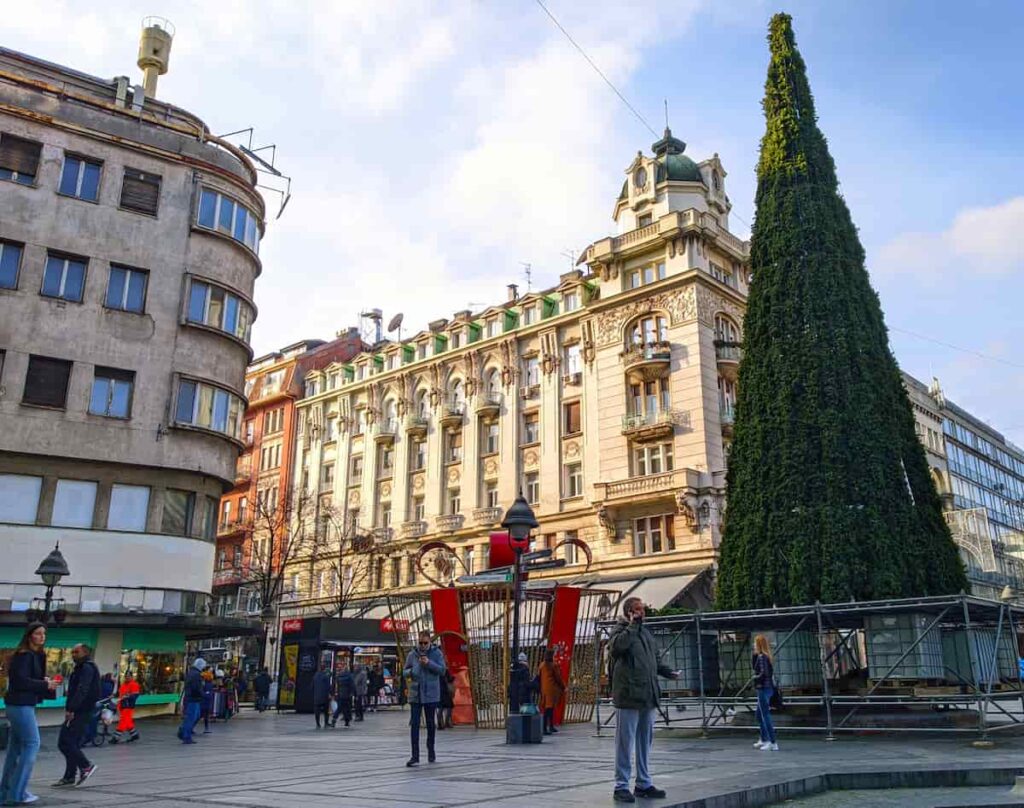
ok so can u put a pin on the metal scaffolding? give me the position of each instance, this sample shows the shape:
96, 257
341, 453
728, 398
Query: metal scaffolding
934, 664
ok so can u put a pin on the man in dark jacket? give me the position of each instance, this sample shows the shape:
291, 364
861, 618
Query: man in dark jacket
520, 685
424, 668
636, 695
322, 696
192, 700
344, 688
261, 687
81, 696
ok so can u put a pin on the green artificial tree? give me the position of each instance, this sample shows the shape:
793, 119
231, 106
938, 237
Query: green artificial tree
830, 496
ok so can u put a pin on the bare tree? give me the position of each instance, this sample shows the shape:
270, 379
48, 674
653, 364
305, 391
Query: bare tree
347, 554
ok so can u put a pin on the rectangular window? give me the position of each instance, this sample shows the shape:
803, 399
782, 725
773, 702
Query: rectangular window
178, 508
570, 301
203, 405
19, 159
652, 459
531, 371
454, 501
126, 289
644, 219
531, 487
64, 277
493, 327
327, 476
129, 506
74, 504
653, 534
570, 549
573, 359
531, 427
468, 558
356, 474
571, 420
360, 422
385, 460
491, 438
410, 570
421, 350
491, 495
140, 191
396, 571
46, 383
419, 455
112, 393
10, 264
633, 279
574, 480
19, 498
217, 308
81, 178
529, 315
453, 447
419, 509
330, 429
454, 340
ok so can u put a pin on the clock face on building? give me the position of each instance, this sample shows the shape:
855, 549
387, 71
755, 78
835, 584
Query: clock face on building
640, 177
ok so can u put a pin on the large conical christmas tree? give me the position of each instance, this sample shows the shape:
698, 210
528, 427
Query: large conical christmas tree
829, 492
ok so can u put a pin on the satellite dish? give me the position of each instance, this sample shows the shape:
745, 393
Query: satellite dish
396, 322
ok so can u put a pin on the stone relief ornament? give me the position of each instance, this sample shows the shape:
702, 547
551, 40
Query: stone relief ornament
353, 499
685, 510
491, 468
605, 518
709, 303
417, 482
385, 490
572, 449
679, 304
530, 459
453, 475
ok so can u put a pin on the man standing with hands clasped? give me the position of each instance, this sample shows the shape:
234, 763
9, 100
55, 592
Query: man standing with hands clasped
635, 693
423, 667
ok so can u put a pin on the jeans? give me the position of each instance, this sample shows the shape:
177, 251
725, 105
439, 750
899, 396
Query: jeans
764, 715
69, 742
22, 748
189, 717
427, 710
633, 729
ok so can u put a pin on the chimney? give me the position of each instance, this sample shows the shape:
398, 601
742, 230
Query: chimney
513, 292
154, 51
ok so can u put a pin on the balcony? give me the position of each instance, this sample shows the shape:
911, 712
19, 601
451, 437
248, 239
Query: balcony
416, 425
243, 470
647, 487
728, 354
647, 361
449, 523
654, 425
728, 418
487, 516
228, 527
489, 405
385, 431
382, 535
227, 576
451, 415
414, 529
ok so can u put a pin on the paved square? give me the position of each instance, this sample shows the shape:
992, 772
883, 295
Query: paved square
276, 760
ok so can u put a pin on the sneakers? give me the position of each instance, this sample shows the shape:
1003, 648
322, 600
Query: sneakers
650, 793
623, 795
29, 799
769, 747
758, 743
412, 762
64, 781
86, 773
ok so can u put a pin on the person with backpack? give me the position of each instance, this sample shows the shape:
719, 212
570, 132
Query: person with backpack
80, 700
635, 669
764, 684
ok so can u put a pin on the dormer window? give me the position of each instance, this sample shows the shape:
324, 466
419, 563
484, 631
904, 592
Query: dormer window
644, 219
493, 327
312, 387
392, 361
455, 340
529, 315
421, 350
361, 372
570, 301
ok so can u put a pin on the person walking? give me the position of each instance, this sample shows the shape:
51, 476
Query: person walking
764, 684
636, 696
192, 700
444, 713
520, 686
82, 693
261, 687
241, 688
206, 706
423, 668
107, 688
344, 688
27, 685
322, 696
361, 684
127, 696
552, 688
376, 683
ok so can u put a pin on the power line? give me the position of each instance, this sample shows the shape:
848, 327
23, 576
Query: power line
958, 348
590, 61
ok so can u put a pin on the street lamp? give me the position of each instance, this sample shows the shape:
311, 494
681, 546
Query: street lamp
519, 521
51, 570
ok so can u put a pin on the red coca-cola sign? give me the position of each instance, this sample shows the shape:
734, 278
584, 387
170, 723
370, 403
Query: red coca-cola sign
292, 626
390, 626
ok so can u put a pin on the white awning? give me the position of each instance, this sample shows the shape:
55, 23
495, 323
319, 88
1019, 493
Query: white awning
656, 592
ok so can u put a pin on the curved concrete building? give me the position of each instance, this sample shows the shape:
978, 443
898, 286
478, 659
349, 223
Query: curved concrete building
129, 244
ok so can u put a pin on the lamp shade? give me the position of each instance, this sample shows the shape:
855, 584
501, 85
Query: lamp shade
53, 568
519, 521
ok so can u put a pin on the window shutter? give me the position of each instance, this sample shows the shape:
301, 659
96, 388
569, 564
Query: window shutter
19, 155
46, 383
140, 191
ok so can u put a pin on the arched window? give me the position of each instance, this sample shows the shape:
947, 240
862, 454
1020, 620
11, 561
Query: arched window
422, 404
390, 413
725, 329
726, 398
492, 383
649, 330
457, 394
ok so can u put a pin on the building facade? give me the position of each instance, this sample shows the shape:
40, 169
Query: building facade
129, 243
607, 400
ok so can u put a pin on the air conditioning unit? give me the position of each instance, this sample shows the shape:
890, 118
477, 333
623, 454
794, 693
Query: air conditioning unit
572, 378
528, 391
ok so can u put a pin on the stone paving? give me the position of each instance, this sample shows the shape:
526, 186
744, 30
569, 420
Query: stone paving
276, 760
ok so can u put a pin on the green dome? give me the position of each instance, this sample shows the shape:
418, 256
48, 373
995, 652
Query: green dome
678, 167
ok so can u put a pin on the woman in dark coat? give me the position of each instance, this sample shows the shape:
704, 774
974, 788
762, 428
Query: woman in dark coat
27, 685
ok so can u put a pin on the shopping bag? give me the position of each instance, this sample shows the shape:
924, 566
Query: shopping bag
334, 706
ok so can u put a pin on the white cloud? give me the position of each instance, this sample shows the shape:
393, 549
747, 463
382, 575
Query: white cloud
985, 241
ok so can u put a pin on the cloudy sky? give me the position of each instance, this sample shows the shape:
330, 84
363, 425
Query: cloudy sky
436, 147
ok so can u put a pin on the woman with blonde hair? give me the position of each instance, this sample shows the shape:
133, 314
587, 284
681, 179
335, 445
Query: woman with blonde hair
764, 683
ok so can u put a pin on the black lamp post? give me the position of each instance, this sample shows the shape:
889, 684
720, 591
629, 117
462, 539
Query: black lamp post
51, 570
519, 521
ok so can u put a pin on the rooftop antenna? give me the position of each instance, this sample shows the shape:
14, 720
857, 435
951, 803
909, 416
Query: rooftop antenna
395, 324
571, 255
371, 325
666, 113
528, 272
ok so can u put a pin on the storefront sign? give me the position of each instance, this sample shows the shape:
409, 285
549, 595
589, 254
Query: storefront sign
292, 626
390, 625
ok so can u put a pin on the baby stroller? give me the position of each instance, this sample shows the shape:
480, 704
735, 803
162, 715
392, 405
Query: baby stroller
104, 715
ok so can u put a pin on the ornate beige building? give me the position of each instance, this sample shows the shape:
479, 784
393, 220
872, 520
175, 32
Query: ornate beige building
607, 400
